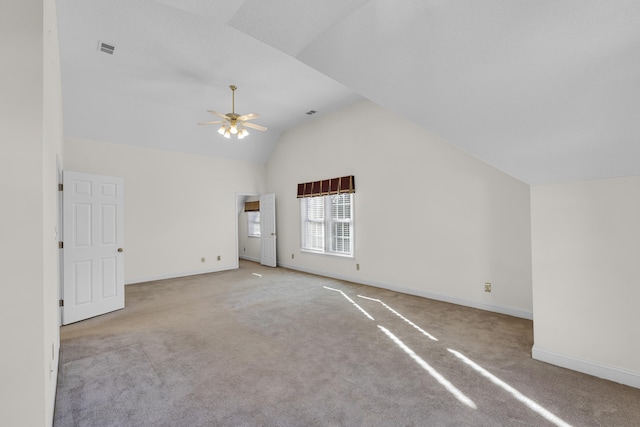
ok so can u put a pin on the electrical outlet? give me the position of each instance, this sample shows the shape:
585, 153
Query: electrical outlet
292, 256
487, 287
202, 259
358, 267
218, 257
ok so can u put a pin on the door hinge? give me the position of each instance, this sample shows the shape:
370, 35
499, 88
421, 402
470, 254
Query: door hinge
61, 303
60, 245
60, 187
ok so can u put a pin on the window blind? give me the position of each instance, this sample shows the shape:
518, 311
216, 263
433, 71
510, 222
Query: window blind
327, 224
253, 223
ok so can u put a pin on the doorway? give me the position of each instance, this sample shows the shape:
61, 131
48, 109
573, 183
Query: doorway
247, 243
256, 228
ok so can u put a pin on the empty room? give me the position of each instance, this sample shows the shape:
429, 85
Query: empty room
360, 212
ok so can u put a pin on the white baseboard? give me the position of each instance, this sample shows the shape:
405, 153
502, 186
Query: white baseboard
511, 311
175, 275
599, 370
249, 258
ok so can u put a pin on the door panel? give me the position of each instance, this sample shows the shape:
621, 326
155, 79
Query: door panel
82, 225
268, 230
93, 268
109, 227
109, 277
81, 279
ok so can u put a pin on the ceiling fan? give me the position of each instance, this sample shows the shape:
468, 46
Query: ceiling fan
234, 124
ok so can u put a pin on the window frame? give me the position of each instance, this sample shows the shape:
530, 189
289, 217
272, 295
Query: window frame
327, 222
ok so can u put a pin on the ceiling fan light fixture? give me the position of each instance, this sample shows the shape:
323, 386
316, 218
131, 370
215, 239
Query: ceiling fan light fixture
234, 124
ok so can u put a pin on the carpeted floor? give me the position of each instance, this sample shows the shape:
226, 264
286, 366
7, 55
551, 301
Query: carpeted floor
260, 346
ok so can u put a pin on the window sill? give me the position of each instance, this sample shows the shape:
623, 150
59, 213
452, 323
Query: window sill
331, 254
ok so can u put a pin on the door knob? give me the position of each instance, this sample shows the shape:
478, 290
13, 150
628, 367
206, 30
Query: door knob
120, 249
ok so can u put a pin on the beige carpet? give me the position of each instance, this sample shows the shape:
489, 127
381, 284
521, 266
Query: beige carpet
273, 347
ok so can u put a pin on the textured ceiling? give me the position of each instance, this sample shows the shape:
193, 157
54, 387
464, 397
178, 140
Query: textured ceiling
546, 90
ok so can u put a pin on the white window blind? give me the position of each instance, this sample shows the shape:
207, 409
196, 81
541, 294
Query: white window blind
327, 224
253, 224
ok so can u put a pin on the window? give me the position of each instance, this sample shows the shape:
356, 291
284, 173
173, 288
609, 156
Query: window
327, 224
253, 224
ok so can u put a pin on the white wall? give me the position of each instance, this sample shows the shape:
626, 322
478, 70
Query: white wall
248, 247
429, 219
586, 277
30, 133
178, 207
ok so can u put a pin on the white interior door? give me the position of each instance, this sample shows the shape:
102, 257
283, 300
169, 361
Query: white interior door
93, 237
268, 230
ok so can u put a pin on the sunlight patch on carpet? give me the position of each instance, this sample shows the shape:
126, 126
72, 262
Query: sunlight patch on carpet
351, 301
515, 393
435, 374
422, 331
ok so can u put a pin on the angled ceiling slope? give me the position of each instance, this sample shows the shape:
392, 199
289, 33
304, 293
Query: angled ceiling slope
174, 60
546, 91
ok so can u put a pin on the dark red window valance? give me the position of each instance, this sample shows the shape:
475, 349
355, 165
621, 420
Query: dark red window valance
345, 184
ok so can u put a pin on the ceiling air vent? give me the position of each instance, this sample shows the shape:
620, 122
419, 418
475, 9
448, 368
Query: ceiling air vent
106, 48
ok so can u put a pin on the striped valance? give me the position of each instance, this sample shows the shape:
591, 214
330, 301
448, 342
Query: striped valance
345, 184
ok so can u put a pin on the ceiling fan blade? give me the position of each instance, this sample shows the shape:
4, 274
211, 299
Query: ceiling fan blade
217, 114
254, 126
249, 116
210, 123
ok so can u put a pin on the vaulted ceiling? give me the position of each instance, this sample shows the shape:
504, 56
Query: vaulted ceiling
545, 90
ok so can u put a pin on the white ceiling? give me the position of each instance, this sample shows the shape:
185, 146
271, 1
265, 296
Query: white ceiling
545, 90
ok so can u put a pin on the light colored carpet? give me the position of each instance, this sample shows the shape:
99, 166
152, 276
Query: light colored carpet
260, 346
